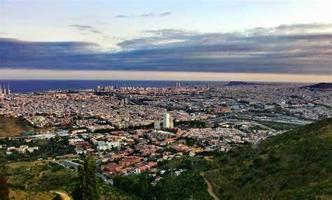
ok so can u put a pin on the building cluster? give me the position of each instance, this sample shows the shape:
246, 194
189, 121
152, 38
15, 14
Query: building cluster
132, 129
21, 149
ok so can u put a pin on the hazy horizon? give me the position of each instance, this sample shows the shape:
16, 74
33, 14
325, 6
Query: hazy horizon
14, 74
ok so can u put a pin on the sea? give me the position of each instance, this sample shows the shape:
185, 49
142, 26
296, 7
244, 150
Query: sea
28, 86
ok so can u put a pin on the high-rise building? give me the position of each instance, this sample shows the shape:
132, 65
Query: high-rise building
167, 121
4, 90
8, 90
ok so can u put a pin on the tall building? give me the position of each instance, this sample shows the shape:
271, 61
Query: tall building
8, 90
3, 90
167, 121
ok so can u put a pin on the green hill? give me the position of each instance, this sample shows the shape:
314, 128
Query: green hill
294, 165
10, 127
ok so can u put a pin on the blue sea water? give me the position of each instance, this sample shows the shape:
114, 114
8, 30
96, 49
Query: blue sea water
26, 86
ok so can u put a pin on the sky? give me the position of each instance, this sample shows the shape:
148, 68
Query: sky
259, 38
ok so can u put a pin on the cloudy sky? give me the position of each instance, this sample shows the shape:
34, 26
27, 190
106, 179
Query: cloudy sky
166, 37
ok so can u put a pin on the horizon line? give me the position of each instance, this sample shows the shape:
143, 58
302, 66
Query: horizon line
37, 74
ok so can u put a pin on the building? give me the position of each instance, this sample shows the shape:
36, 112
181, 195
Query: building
157, 125
4, 91
165, 123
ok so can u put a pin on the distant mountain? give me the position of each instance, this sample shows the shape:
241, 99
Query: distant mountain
293, 165
239, 83
320, 86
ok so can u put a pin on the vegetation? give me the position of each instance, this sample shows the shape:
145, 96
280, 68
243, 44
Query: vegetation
190, 124
47, 148
190, 141
37, 180
10, 127
182, 180
279, 126
4, 189
188, 185
88, 188
136, 185
293, 165
30, 195
39, 176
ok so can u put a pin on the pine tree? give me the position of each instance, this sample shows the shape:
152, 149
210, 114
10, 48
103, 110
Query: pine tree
89, 187
4, 189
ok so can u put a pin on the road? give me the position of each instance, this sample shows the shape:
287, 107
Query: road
63, 195
209, 188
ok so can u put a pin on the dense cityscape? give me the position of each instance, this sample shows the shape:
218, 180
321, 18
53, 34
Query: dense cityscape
165, 100
131, 130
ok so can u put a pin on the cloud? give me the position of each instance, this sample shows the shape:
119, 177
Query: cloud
146, 15
297, 49
164, 14
82, 27
86, 28
292, 29
158, 38
121, 16
15, 53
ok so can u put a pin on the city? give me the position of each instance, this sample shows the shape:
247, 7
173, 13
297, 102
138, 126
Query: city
165, 100
132, 129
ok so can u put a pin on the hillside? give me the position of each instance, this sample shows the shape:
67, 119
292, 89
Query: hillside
320, 86
239, 83
294, 165
10, 127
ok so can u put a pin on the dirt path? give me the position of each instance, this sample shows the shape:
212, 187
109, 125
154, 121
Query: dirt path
63, 195
209, 188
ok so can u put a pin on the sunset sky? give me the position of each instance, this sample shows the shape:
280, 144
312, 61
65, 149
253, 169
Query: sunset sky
259, 38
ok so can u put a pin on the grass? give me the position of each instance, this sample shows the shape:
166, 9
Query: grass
21, 194
39, 176
40, 179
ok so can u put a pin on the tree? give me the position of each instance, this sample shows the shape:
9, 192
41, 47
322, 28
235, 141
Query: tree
137, 185
89, 187
4, 189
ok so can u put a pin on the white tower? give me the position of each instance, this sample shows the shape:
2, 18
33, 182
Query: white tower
167, 121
